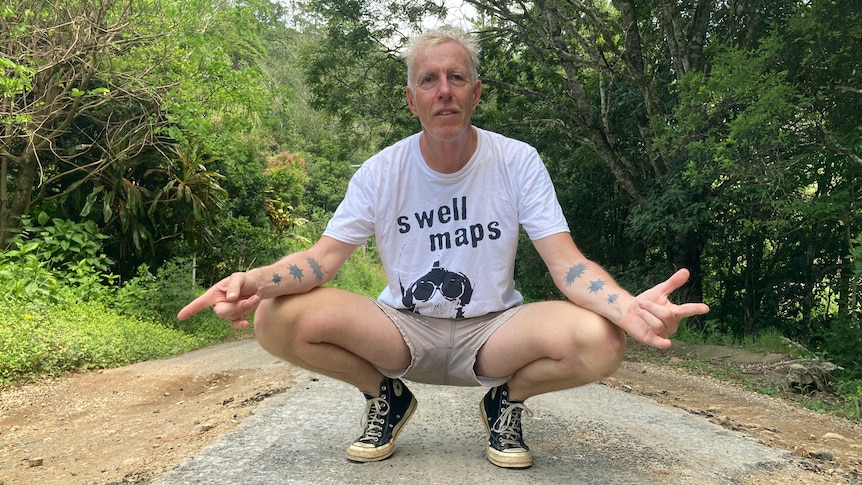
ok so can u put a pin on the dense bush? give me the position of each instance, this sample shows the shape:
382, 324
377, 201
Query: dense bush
51, 260
362, 273
61, 310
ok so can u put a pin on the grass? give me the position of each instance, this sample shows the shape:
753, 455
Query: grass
42, 337
81, 336
843, 400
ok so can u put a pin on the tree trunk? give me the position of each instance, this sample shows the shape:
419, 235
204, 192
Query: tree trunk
685, 250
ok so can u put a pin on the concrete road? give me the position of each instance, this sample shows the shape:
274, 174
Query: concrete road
590, 435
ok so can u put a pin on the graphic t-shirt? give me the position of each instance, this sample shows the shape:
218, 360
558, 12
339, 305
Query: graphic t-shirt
448, 241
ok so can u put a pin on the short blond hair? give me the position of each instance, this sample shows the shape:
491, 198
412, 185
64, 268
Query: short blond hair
436, 37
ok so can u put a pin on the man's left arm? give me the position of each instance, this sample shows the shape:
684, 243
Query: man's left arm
649, 317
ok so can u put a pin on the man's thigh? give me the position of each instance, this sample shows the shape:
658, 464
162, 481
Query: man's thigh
544, 330
335, 317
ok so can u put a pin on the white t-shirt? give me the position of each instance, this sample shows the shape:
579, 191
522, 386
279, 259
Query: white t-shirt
448, 241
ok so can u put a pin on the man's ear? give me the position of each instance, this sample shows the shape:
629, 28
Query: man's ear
410, 101
477, 93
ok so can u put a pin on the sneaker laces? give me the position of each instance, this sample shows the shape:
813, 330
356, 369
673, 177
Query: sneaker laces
508, 425
373, 420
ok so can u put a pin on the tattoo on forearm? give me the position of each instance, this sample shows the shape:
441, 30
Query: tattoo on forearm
596, 285
575, 272
578, 270
296, 272
315, 268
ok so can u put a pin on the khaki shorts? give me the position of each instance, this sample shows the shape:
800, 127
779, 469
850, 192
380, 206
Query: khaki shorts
443, 350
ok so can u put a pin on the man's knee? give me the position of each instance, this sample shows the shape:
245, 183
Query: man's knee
276, 326
287, 326
615, 348
608, 347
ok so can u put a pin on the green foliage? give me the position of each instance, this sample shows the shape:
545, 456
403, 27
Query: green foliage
353, 68
239, 245
53, 259
246, 184
531, 275
51, 323
26, 279
851, 395
362, 273
74, 336
15, 80
841, 342
63, 243
327, 183
286, 174
160, 297
157, 297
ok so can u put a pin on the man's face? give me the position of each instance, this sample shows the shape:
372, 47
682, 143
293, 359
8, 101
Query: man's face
443, 94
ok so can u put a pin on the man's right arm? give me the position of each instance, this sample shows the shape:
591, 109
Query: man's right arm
237, 296
302, 271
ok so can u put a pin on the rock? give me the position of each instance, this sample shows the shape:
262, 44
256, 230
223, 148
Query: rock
834, 436
821, 455
203, 428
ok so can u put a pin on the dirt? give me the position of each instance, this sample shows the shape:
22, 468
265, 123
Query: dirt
683, 377
131, 424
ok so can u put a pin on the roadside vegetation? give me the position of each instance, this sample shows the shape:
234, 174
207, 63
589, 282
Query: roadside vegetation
838, 394
57, 320
149, 148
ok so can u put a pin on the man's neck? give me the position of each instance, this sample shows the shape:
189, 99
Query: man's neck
448, 156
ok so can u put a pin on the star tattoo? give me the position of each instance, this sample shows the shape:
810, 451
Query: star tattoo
276, 278
315, 267
296, 272
613, 298
596, 285
575, 272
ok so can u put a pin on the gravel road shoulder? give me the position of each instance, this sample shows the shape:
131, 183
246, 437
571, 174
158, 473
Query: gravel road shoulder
133, 424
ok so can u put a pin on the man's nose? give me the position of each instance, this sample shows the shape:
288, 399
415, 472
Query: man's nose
444, 90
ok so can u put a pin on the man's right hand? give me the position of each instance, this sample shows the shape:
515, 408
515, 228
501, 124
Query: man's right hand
233, 298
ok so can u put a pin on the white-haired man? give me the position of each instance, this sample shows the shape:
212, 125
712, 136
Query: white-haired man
445, 206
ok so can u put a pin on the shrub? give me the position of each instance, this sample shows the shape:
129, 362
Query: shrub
160, 297
48, 254
26, 279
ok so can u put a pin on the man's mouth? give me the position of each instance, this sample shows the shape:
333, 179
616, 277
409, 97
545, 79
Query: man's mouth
446, 112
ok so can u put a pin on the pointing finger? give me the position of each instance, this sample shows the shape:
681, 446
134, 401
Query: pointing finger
204, 301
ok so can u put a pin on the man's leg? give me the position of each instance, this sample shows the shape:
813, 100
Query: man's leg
545, 347
344, 336
332, 332
549, 346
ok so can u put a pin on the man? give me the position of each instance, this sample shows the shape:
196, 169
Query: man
445, 206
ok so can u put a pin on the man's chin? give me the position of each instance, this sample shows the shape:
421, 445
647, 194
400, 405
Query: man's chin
446, 132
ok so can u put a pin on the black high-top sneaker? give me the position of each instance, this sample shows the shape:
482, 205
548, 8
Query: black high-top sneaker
502, 418
384, 418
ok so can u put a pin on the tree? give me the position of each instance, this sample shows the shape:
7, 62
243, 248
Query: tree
111, 108
355, 71
57, 57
